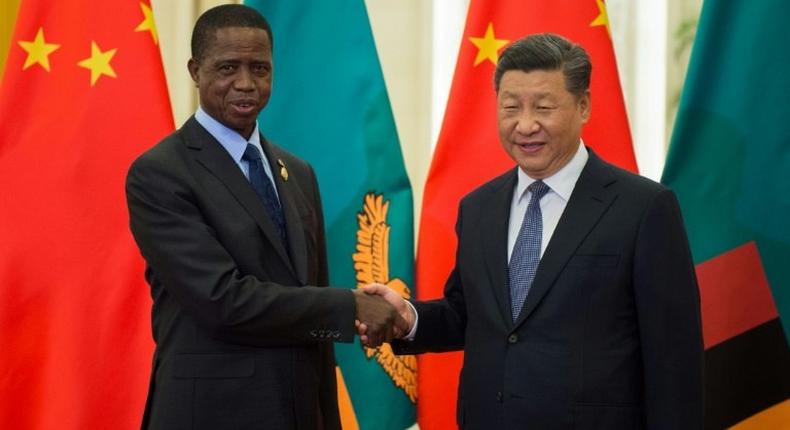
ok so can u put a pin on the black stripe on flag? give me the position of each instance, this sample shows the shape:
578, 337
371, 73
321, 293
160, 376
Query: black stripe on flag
746, 374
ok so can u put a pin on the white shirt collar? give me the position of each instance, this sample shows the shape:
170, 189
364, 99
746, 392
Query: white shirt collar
230, 139
562, 182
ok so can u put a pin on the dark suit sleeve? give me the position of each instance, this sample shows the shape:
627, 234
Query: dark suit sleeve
667, 300
183, 252
442, 322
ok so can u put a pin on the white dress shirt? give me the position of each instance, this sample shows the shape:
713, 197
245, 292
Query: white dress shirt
235, 144
552, 205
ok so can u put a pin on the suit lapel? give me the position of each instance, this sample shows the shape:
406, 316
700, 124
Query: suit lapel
293, 221
590, 199
493, 232
216, 160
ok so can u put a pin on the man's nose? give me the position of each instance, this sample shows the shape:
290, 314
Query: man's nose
244, 80
527, 123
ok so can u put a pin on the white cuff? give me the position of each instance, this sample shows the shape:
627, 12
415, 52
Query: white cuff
410, 336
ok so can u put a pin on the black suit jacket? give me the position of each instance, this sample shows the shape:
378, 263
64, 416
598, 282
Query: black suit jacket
241, 322
609, 336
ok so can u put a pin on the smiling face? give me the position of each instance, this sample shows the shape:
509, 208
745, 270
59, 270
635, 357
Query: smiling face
540, 121
234, 77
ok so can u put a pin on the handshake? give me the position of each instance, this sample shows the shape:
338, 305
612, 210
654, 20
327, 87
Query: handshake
382, 315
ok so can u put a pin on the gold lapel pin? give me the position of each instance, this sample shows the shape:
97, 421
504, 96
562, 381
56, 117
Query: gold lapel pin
283, 170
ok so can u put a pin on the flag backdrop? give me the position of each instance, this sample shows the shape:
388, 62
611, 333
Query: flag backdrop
329, 105
83, 94
729, 162
468, 152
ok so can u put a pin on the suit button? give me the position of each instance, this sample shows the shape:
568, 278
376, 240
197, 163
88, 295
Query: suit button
513, 338
499, 396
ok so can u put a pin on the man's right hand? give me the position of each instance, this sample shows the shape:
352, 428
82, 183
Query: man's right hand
379, 321
397, 301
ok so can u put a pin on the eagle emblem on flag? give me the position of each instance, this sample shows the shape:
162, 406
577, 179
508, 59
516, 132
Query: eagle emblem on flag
371, 263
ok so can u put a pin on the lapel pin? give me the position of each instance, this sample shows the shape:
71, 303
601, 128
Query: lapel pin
283, 170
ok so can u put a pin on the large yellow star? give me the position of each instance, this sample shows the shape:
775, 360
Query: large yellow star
488, 46
602, 18
148, 23
98, 63
38, 51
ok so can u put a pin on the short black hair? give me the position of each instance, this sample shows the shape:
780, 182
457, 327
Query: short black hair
224, 16
547, 51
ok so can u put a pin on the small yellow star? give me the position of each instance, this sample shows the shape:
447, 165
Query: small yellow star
38, 51
488, 46
98, 63
148, 23
602, 18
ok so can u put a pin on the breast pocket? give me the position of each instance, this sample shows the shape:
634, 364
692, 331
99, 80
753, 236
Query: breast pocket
594, 261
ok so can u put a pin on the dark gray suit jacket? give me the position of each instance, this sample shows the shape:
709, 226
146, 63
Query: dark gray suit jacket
242, 322
609, 336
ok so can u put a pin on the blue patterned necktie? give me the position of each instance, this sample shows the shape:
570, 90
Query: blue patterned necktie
264, 188
526, 252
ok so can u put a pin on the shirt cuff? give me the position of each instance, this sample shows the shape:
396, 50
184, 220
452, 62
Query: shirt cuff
410, 335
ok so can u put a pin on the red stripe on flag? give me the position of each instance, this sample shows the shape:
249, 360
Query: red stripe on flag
735, 294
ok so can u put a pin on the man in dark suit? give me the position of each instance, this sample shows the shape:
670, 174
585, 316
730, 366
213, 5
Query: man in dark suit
232, 232
573, 294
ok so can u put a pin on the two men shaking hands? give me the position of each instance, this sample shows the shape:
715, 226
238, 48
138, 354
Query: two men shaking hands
382, 315
573, 296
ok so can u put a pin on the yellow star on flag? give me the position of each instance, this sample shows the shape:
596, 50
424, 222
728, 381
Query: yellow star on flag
38, 51
98, 63
602, 18
148, 23
488, 46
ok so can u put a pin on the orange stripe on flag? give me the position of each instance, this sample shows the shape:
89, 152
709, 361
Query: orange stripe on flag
348, 419
776, 418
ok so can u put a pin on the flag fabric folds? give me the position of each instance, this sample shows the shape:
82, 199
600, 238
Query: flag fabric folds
83, 94
330, 106
468, 152
728, 162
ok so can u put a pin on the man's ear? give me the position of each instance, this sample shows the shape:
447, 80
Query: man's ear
585, 105
193, 66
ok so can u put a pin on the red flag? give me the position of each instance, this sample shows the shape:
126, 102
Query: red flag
468, 152
83, 94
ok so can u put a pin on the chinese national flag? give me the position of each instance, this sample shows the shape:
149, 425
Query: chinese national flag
468, 152
82, 95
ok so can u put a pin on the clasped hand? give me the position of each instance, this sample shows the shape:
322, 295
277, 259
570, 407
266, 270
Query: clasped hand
382, 315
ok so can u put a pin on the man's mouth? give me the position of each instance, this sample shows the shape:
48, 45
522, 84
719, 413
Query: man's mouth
530, 147
244, 107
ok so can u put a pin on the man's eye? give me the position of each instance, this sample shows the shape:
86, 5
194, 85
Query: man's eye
227, 68
260, 69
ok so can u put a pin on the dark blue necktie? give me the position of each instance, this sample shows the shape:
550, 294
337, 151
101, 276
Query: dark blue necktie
526, 252
264, 188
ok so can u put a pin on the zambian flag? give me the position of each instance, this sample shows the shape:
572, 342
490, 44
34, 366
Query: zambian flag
329, 105
729, 162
